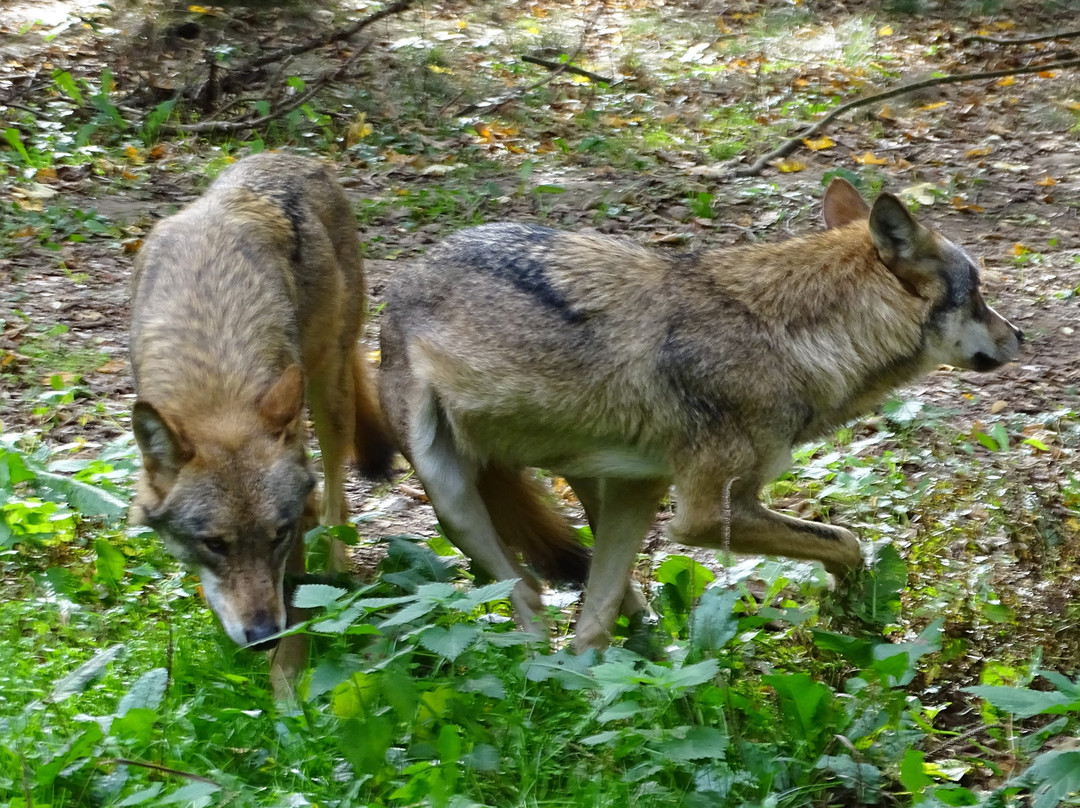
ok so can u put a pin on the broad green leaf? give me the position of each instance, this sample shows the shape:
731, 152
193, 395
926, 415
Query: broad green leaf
698, 743
110, 564
1053, 777
311, 596
450, 643
147, 691
79, 679
500, 590
194, 794
713, 624
87, 499
913, 772
1024, 703
689, 675
139, 797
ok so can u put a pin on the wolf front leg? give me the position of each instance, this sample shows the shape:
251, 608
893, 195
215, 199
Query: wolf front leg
744, 525
289, 658
623, 512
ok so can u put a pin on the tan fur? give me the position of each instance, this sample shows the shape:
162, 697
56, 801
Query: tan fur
627, 370
245, 303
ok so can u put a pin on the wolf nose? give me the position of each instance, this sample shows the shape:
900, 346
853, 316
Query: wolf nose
263, 626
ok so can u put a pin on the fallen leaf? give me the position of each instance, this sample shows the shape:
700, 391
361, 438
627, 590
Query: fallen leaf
374, 357
1020, 249
923, 193
959, 203
791, 166
885, 31
886, 113
1047, 74
998, 406
159, 152
818, 144
935, 105
438, 69
132, 245
1047, 181
134, 155
980, 152
113, 366
1006, 81
869, 159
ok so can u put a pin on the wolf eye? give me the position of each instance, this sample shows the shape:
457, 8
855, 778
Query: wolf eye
284, 533
216, 546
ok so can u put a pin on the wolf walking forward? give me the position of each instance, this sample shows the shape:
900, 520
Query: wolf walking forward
240, 301
626, 370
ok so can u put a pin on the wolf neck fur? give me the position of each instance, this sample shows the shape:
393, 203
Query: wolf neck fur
837, 316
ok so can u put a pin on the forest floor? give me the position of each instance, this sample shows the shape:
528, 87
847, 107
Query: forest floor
977, 482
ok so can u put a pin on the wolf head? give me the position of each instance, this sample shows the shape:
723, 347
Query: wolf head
961, 329
228, 498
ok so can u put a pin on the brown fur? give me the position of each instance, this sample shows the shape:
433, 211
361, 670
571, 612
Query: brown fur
242, 302
627, 370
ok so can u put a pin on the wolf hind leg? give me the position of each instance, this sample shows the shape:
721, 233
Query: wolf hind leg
624, 511
587, 490
450, 480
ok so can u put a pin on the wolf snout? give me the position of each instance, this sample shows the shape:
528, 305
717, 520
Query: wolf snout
264, 625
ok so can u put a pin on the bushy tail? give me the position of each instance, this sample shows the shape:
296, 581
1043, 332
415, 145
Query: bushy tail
371, 438
528, 524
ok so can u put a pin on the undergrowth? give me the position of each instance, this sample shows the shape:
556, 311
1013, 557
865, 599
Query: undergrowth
761, 688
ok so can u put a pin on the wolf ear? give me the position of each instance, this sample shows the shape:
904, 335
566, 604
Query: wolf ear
163, 449
901, 242
843, 204
281, 405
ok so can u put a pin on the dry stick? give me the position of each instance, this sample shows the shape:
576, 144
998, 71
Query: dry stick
233, 126
550, 65
159, 768
1022, 40
469, 110
333, 36
790, 145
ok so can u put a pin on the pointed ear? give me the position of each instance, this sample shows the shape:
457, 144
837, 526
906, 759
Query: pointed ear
164, 450
281, 405
843, 204
901, 242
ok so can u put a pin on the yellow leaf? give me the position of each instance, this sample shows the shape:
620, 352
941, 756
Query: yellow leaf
790, 166
1005, 25
358, 130
158, 152
1047, 181
374, 357
45, 174
959, 203
885, 31
819, 144
935, 105
1006, 81
462, 24
580, 79
132, 245
869, 159
113, 366
886, 113
133, 155
1047, 74
980, 152
1020, 249
532, 29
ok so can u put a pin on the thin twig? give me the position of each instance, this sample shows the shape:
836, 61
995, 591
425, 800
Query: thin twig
334, 36
494, 105
1027, 40
569, 68
159, 768
790, 145
317, 85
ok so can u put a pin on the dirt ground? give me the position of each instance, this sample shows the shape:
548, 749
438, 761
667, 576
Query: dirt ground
1012, 153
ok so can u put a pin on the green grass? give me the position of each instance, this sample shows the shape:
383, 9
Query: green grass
416, 698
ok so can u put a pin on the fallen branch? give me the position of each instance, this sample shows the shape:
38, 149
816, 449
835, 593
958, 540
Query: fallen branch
340, 35
569, 68
157, 767
555, 72
790, 145
1022, 40
317, 85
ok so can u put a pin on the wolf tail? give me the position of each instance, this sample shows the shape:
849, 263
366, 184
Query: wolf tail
371, 437
529, 525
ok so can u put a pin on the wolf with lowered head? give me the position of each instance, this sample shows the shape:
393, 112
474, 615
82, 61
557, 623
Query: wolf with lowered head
241, 301
627, 370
